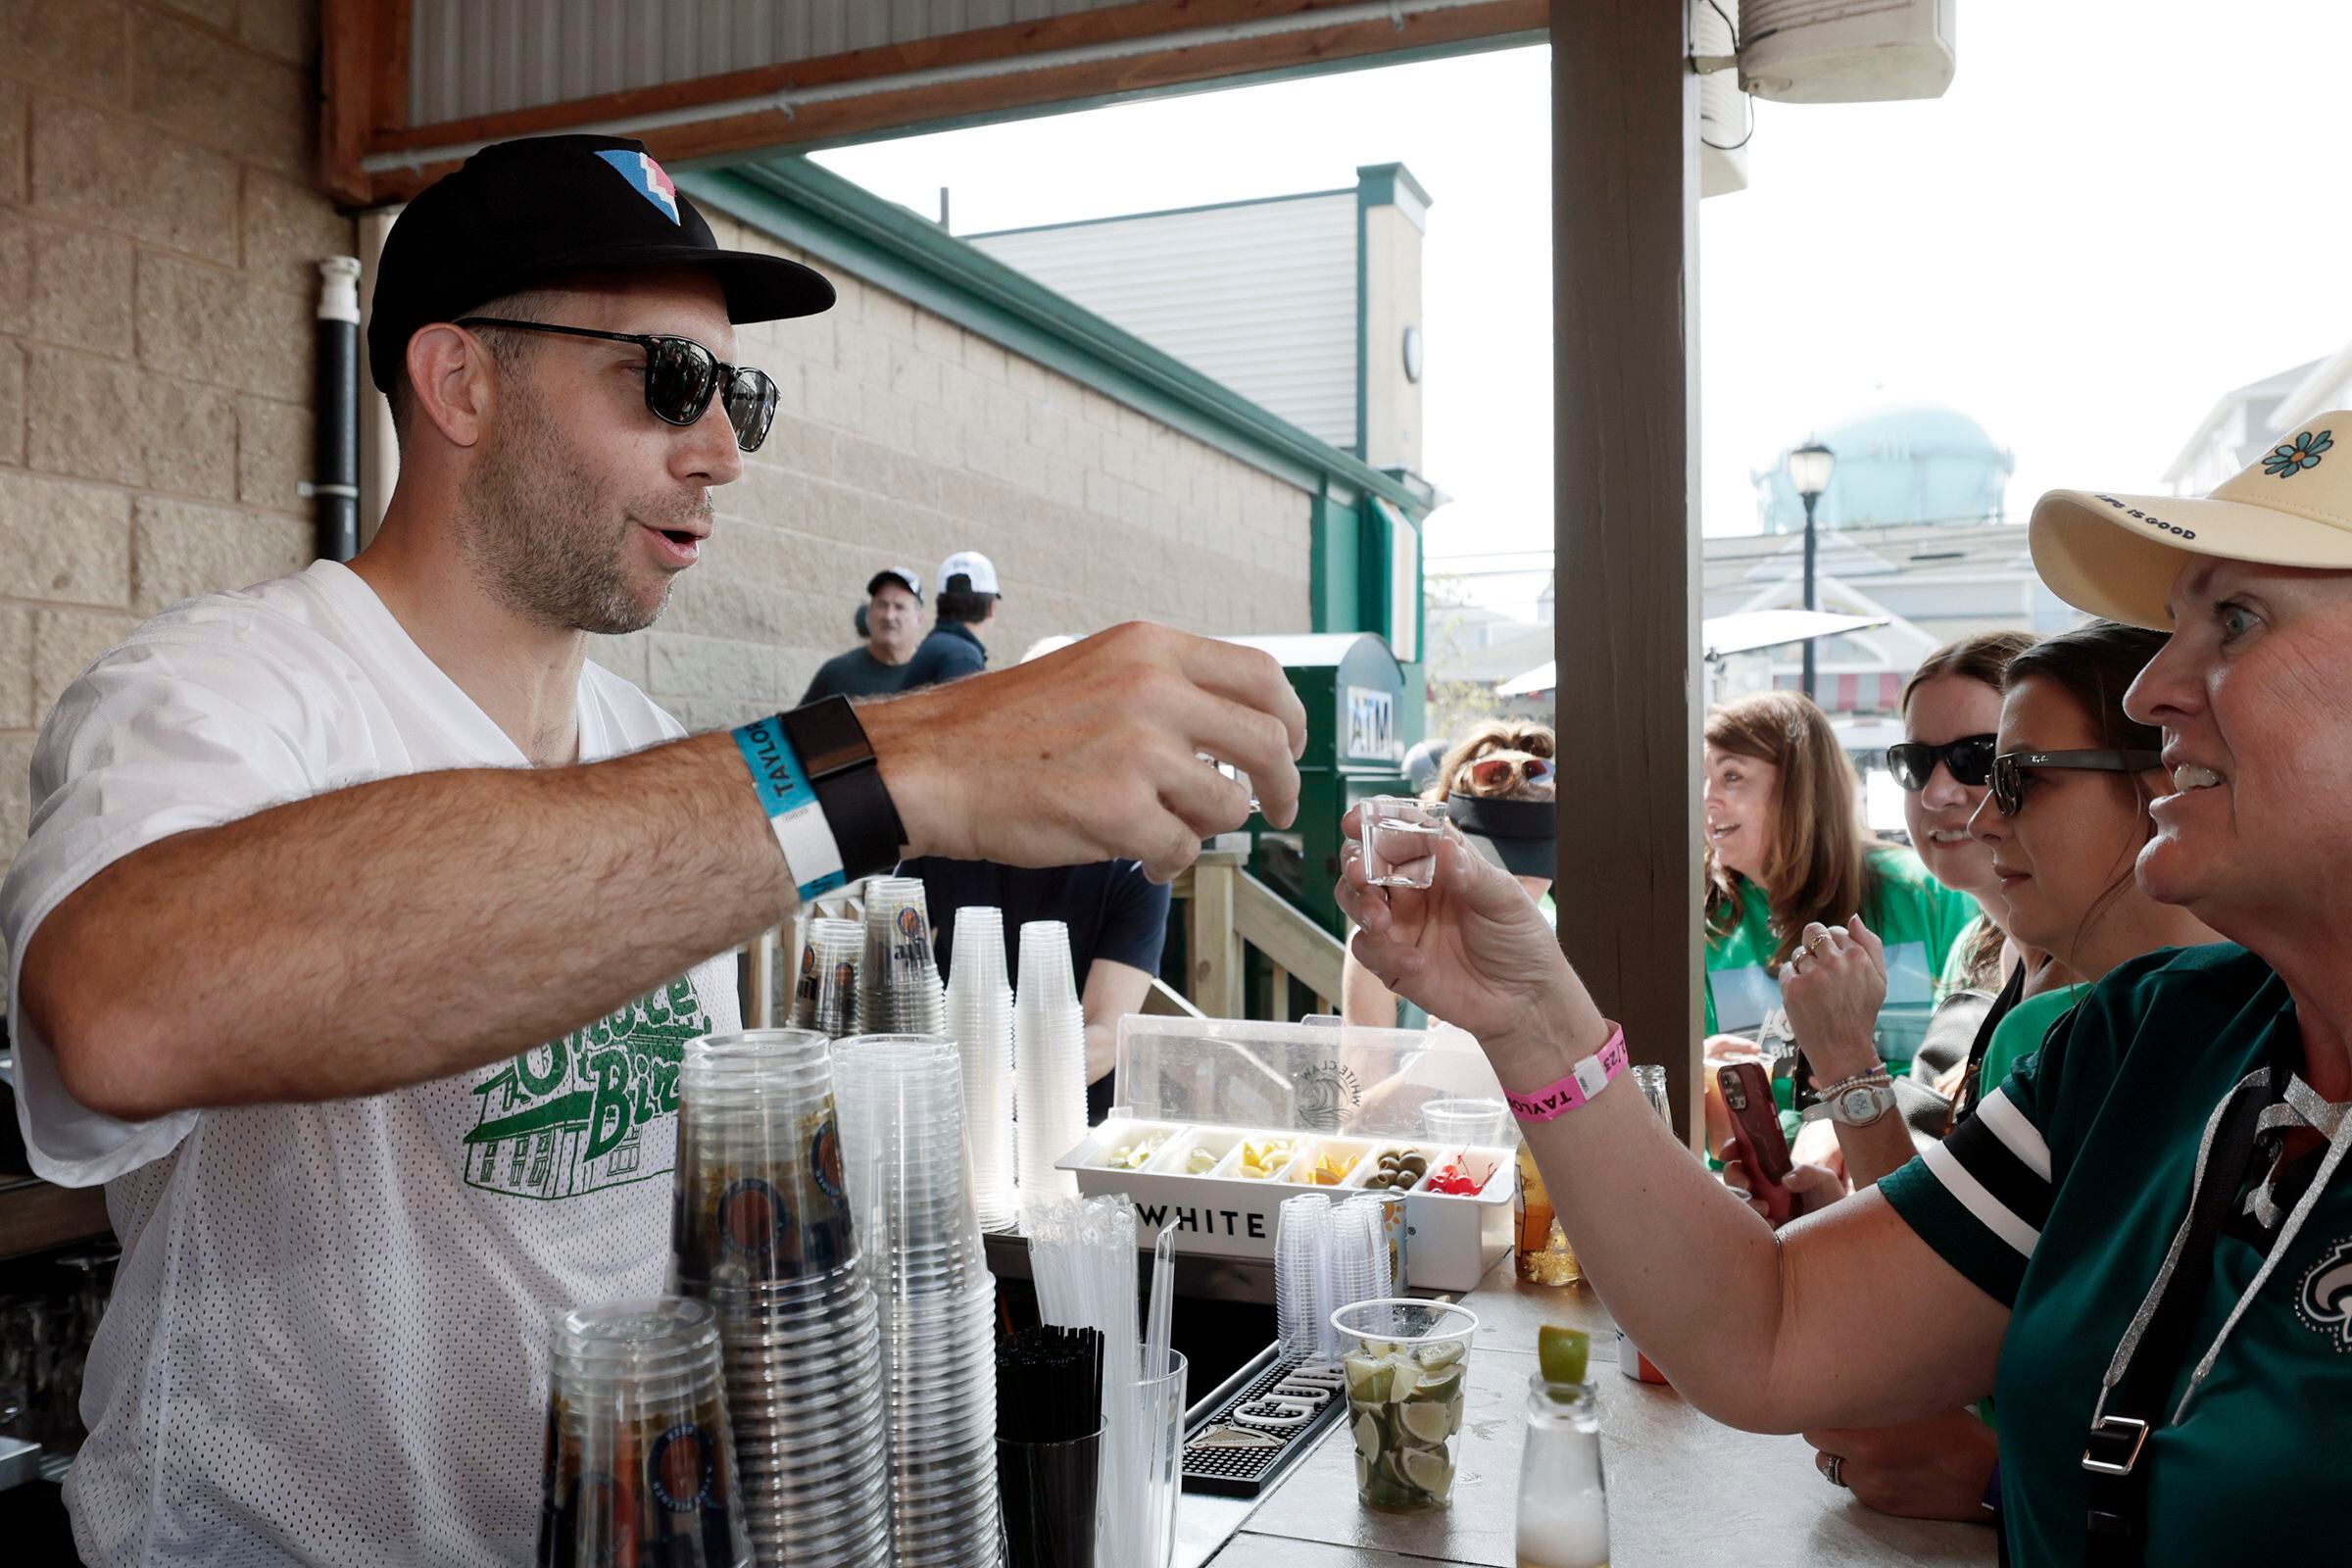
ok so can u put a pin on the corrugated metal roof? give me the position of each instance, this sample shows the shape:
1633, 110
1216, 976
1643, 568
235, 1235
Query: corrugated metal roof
481, 57
1257, 295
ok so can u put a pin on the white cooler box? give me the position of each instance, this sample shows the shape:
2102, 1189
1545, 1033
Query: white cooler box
1334, 1091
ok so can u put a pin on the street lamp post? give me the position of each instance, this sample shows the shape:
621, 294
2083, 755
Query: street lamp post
1810, 469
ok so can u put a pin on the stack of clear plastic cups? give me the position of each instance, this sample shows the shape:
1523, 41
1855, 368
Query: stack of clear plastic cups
1049, 1053
762, 1230
898, 987
1303, 1283
903, 1122
980, 1022
825, 995
640, 1464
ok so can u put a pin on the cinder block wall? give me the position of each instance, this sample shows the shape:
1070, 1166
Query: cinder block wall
156, 229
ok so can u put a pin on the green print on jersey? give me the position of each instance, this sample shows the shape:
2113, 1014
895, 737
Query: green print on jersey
563, 1118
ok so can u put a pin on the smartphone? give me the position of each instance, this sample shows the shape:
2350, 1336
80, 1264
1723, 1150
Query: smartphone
1756, 1140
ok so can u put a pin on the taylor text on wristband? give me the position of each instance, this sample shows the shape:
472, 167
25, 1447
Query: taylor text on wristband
794, 815
1587, 1079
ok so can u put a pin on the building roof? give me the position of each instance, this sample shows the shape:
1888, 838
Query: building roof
837, 221
2240, 418
1904, 464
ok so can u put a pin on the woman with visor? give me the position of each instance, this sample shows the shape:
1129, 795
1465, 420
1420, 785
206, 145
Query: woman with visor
2143, 1238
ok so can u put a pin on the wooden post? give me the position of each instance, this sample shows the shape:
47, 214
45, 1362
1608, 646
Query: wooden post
1278, 1009
1625, 292
1216, 947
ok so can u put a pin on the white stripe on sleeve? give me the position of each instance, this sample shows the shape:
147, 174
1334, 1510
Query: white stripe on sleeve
2020, 1136
1989, 1210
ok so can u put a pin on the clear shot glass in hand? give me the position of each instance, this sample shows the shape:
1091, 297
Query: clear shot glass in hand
1400, 836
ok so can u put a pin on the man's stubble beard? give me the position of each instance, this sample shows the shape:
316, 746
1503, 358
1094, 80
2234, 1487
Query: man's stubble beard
531, 524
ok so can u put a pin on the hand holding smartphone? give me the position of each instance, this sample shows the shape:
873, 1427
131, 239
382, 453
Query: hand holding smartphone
1757, 1140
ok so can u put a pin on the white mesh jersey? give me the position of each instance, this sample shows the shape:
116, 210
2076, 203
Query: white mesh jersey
328, 1340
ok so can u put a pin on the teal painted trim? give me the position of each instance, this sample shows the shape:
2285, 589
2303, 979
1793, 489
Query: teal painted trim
1162, 212
841, 222
1337, 565
1363, 387
1376, 184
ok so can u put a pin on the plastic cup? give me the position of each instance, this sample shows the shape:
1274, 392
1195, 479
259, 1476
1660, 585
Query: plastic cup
1400, 835
1407, 1365
1465, 1121
1047, 1491
824, 996
640, 1458
758, 1190
1156, 1458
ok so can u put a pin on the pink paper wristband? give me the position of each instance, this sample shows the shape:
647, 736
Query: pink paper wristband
1587, 1079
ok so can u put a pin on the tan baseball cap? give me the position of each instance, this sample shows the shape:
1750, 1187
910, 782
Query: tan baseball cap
2116, 556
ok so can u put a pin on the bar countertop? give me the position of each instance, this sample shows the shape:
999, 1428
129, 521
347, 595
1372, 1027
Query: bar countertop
1682, 1488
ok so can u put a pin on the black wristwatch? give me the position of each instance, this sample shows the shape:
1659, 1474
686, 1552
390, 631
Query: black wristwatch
847, 782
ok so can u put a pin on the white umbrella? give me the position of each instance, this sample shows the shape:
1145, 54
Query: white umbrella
1721, 636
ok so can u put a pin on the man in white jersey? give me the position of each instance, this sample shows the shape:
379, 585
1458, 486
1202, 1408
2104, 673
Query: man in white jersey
363, 921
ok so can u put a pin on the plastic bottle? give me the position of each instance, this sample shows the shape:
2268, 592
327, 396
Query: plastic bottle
1563, 1502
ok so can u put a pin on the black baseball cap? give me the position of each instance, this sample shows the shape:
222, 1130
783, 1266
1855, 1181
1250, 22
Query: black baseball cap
898, 574
520, 213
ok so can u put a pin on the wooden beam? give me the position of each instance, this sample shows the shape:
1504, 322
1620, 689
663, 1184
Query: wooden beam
1625, 292
1215, 946
347, 83
1144, 70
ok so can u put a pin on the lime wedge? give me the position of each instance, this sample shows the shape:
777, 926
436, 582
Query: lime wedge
1368, 1437
1435, 1387
1367, 1380
1428, 1422
1429, 1470
1406, 1377
1437, 1357
1564, 1354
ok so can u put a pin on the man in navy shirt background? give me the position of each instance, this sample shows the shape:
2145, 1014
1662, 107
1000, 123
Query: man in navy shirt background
966, 601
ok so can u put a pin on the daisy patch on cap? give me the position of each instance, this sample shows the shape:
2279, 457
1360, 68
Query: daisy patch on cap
647, 179
2290, 457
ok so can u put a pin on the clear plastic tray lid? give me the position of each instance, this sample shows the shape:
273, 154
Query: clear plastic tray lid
1316, 1077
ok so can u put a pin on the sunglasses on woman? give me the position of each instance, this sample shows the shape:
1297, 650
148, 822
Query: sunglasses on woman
1498, 774
682, 376
2010, 769
1969, 760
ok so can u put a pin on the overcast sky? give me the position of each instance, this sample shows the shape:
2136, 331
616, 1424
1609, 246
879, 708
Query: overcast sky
2115, 214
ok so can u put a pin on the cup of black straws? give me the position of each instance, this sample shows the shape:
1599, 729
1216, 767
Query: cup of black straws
1049, 1445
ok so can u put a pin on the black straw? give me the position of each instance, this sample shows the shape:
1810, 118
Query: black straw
1049, 1384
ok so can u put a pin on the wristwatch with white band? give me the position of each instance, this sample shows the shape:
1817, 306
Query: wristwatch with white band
1853, 1104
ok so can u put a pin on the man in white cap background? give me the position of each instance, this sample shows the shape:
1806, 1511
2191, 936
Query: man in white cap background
893, 629
966, 601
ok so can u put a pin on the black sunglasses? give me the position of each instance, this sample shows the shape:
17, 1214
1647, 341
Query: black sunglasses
2009, 770
682, 376
1969, 759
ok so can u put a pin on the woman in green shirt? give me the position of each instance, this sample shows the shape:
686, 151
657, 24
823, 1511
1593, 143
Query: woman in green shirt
2198, 1355
1785, 847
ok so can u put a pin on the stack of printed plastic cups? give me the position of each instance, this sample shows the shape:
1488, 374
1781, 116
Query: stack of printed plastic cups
762, 1230
825, 995
980, 1022
898, 986
901, 1101
640, 1464
1048, 1052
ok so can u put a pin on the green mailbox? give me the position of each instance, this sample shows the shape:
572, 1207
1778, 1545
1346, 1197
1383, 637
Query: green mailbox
1362, 713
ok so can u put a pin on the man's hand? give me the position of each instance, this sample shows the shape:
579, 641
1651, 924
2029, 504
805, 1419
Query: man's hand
1931, 1469
1093, 753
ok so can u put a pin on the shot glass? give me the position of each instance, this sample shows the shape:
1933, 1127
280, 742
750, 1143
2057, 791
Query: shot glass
1400, 836
1406, 1364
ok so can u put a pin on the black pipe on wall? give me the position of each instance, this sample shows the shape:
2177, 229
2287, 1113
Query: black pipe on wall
335, 465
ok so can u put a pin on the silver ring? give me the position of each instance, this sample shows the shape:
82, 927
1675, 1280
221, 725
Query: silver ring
1834, 1471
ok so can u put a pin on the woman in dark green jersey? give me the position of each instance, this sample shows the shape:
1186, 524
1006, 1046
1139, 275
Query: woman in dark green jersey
2175, 1378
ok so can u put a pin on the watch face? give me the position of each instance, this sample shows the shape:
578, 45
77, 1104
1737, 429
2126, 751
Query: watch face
1857, 1104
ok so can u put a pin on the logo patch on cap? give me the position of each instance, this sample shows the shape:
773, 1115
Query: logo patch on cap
647, 179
